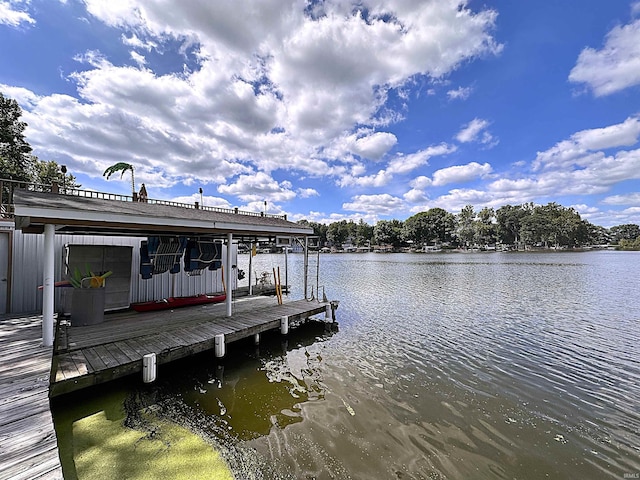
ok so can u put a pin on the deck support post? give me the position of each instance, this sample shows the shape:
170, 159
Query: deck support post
306, 265
227, 271
327, 314
256, 339
250, 268
284, 324
219, 345
149, 368
48, 282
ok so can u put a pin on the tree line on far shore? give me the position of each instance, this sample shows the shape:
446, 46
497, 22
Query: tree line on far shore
527, 225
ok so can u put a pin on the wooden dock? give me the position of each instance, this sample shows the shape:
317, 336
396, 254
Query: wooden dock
89, 355
28, 444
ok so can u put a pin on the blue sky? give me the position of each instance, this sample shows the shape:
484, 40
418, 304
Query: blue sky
337, 110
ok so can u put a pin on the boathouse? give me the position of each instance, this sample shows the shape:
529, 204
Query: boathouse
42, 357
96, 214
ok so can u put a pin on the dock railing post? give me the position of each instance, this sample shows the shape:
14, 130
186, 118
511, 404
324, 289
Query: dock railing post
306, 265
227, 271
250, 268
48, 293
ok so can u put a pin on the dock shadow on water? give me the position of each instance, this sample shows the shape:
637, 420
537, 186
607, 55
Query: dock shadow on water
195, 420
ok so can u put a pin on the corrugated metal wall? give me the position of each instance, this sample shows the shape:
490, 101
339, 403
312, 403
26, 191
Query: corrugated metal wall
27, 272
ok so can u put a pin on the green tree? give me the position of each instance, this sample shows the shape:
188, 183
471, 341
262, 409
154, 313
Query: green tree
465, 226
46, 173
485, 230
388, 232
338, 232
364, 233
596, 234
434, 225
509, 222
16, 162
628, 231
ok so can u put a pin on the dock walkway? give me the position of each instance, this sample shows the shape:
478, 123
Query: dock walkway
28, 445
94, 354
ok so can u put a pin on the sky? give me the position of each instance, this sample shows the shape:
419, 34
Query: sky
332, 110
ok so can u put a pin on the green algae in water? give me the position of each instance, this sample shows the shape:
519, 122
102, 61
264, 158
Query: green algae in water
99, 438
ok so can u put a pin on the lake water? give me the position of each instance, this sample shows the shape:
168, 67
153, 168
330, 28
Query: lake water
456, 366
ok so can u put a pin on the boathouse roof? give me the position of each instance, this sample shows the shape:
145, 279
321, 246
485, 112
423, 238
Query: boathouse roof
86, 212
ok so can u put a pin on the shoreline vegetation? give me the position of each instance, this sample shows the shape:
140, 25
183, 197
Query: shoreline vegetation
525, 227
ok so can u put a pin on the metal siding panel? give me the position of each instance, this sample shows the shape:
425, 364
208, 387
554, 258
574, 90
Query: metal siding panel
28, 258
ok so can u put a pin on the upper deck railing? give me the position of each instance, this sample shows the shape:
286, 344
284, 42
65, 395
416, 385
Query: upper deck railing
8, 187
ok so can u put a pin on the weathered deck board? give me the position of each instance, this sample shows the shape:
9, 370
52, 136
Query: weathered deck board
94, 354
28, 447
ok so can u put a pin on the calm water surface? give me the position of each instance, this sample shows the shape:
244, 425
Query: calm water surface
451, 366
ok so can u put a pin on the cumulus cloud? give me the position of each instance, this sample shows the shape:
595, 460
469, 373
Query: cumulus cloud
460, 173
476, 131
139, 59
383, 204
258, 187
307, 192
585, 148
270, 86
13, 14
626, 199
401, 164
206, 201
374, 146
408, 163
460, 93
616, 66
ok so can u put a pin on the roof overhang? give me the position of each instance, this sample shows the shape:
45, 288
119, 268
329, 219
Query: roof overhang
92, 216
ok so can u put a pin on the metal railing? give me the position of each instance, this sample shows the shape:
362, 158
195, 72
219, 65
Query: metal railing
8, 187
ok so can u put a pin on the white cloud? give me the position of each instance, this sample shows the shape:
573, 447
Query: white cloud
205, 201
613, 68
582, 147
460, 173
307, 192
460, 93
379, 179
625, 199
416, 195
25, 98
374, 146
383, 204
139, 59
136, 42
476, 131
258, 187
421, 182
272, 89
13, 15
408, 163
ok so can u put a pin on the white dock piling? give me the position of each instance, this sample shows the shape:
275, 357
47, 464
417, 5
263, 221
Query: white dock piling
284, 324
149, 368
219, 345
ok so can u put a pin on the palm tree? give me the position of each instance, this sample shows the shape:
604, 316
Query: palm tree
122, 167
